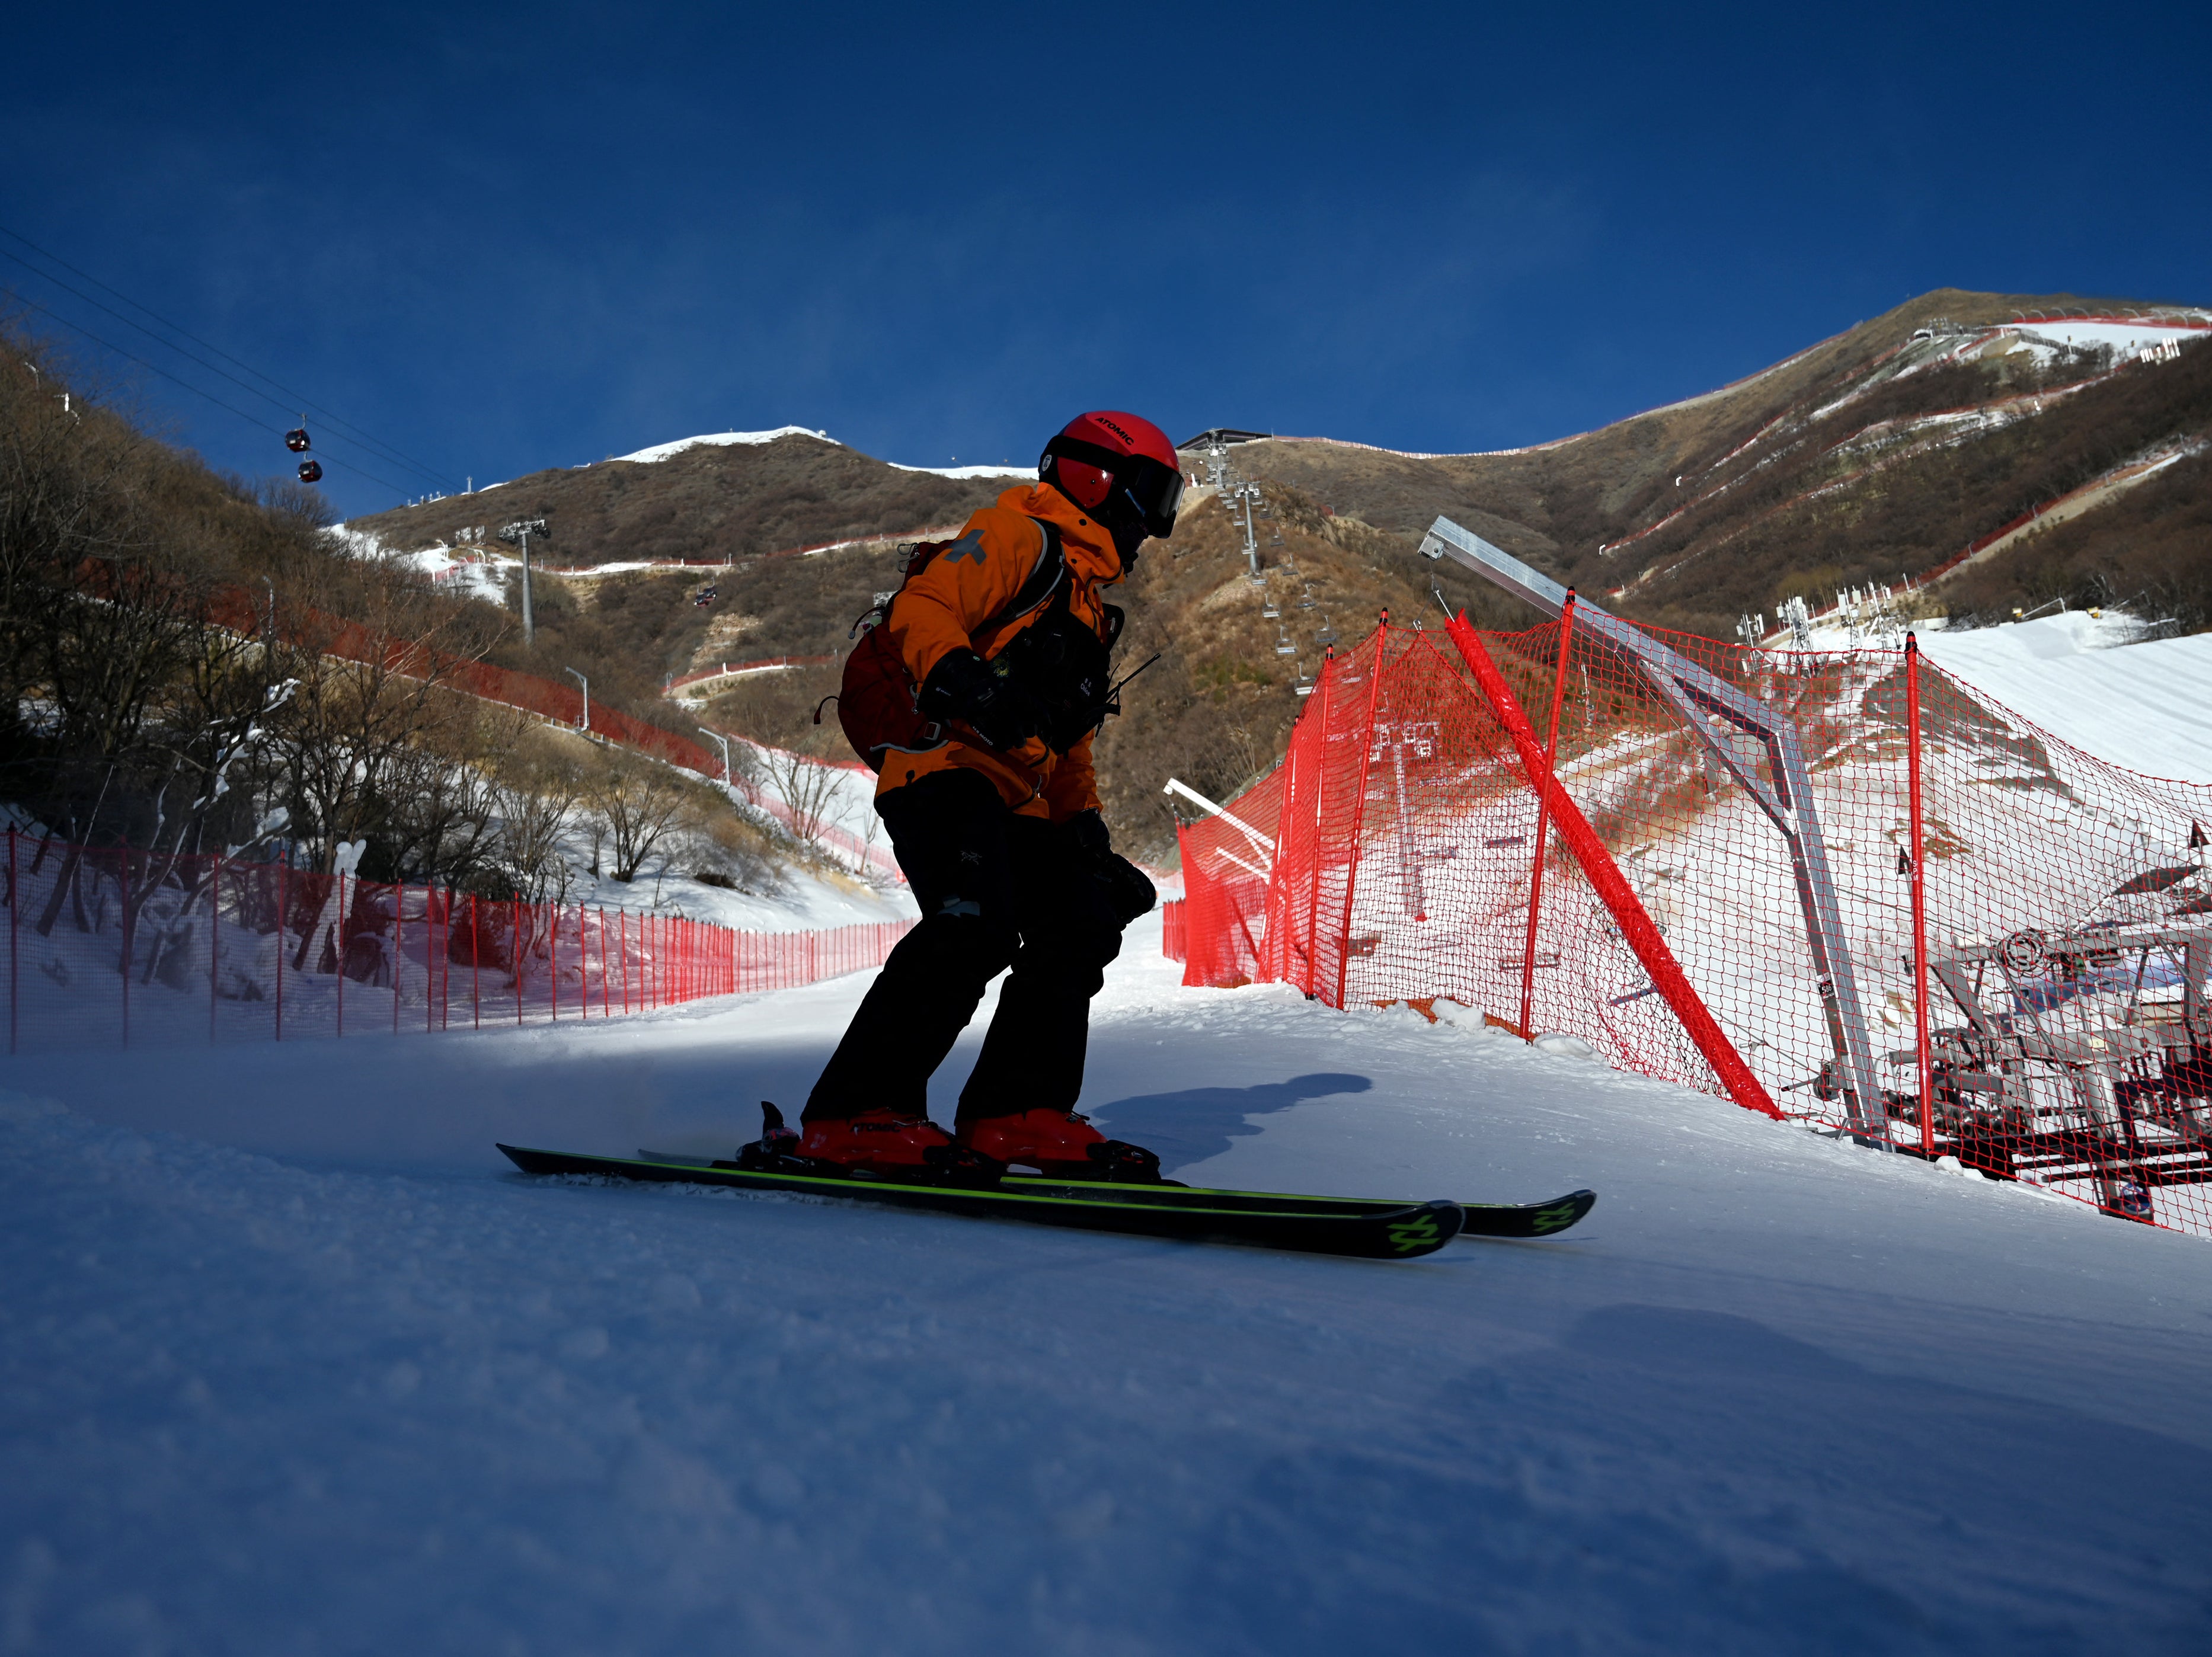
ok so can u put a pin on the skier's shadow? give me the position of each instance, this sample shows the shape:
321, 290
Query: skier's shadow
1197, 1123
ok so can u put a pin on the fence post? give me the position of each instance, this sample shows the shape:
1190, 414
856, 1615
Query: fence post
1359, 806
1320, 792
339, 941
514, 951
476, 964
215, 939
1919, 900
553, 958
1612, 887
1544, 819
124, 882
399, 946
284, 913
15, 958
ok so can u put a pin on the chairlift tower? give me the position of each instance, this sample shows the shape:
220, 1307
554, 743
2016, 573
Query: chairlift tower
1246, 496
518, 532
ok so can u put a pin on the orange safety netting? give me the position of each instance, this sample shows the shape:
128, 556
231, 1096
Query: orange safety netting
110, 946
2065, 901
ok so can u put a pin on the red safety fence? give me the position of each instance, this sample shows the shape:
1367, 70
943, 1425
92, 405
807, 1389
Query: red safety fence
112, 947
2052, 1025
1172, 935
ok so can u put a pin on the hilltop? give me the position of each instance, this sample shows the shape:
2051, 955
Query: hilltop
1875, 456
702, 499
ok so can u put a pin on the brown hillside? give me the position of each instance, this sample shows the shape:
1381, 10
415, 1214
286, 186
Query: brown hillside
708, 502
1742, 466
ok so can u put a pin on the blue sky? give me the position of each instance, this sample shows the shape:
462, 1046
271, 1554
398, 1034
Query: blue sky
501, 238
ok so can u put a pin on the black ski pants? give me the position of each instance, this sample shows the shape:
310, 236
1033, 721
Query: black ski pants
995, 890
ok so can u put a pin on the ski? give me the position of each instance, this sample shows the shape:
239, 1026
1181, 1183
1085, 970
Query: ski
1481, 1219
1544, 1219
1377, 1230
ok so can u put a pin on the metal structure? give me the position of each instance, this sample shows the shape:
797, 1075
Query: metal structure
1734, 730
721, 741
518, 532
2084, 1057
586, 683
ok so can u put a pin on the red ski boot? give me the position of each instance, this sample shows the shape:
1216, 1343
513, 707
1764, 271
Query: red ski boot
886, 1145
1061, 1145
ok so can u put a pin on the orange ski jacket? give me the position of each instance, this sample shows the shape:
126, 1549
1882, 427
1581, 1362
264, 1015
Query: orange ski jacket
949, 605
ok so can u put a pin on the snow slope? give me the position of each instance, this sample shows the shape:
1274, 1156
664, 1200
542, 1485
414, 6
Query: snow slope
2148, 707
290, 1360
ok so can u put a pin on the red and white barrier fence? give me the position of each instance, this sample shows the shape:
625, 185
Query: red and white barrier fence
110, 946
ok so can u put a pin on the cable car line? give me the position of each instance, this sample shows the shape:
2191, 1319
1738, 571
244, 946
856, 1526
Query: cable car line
211, 367
251, 419
291, 398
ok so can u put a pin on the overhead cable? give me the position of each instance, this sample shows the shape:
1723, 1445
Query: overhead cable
290, 399
251, 420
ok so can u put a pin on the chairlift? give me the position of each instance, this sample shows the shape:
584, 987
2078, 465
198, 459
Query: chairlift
1285, 647
1270, 611
296, 440
311, 471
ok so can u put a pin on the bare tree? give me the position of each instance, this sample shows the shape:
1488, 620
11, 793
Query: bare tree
641, 802
808, 789
539, 789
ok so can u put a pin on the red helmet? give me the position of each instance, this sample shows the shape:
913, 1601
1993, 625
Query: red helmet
1118, 467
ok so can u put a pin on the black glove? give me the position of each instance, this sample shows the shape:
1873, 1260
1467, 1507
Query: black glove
1128, 888
962, 687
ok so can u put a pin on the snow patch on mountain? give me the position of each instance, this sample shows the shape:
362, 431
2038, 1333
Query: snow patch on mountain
967, 471
719, 439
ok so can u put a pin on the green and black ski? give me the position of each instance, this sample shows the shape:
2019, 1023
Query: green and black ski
1544, 1219
1371, 1230
1481, 1219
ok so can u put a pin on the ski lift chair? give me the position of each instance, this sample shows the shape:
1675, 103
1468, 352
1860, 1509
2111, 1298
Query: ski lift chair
296, 440
311, 471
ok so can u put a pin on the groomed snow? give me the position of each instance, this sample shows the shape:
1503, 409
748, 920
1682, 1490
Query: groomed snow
292, 1361
2148, 707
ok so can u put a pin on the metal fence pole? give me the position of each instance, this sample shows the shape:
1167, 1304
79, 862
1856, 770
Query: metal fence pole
1919, 900
15, 958
1359, 806
215, 939
1544, 820
284, 913
398, 947
123, 881
1319, 795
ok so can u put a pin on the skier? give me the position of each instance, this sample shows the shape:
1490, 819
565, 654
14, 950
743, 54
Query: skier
994, 816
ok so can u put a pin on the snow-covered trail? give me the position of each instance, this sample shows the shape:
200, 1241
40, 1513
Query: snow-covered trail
289, 1360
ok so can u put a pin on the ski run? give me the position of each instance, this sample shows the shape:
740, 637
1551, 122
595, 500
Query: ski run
295, 1360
